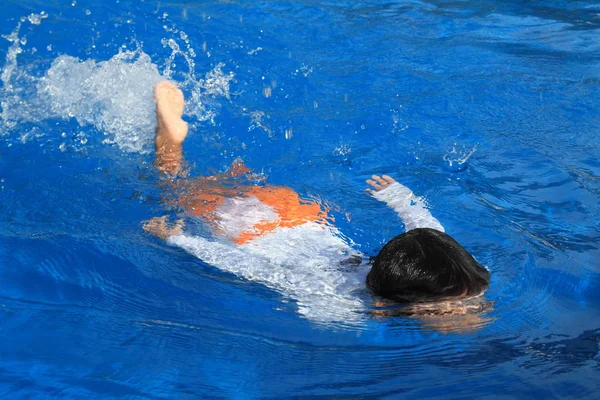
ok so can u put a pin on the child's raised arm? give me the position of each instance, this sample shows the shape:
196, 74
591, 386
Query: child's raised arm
410, 208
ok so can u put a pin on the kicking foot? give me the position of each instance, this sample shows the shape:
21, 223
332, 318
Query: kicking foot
171, 129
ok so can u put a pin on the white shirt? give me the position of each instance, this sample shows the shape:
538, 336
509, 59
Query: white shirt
302, 262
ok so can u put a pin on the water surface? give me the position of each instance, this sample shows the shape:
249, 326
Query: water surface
490, 110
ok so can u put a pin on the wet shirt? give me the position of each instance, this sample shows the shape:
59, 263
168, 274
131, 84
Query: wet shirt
270, 235
255, 212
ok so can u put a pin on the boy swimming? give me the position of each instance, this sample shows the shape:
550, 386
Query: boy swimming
269, 234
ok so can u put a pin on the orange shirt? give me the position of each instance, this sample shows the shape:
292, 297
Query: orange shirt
290, 209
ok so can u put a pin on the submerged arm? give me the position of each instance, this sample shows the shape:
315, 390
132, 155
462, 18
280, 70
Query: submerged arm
161, 228
410, 208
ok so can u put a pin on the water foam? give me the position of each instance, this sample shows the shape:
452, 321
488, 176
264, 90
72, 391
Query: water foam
114, 96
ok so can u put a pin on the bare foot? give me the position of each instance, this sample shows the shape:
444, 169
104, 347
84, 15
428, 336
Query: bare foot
379, 183
169, 109
171, 130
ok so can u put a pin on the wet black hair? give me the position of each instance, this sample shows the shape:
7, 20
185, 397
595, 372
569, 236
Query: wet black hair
425, 264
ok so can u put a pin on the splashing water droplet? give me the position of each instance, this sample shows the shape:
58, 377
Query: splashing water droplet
256, 121
36, 19
10, 65
456, 160
398, 124
343, 150
114, 96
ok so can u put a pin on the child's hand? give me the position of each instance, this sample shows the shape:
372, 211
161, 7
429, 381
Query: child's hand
159, 227
379, 183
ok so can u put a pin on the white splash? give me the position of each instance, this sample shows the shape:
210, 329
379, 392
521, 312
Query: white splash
456, 159
254, 51
16, 83
305, 70
257, 122
36, 19
343, 150
114, 96
216, 82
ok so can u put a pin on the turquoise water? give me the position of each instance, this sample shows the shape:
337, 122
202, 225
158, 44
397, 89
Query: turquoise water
487, 109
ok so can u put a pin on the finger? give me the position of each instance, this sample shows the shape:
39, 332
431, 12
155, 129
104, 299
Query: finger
370, 191
374, 184
380, 181
388, 179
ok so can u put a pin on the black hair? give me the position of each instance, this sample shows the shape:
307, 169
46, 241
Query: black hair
425, 264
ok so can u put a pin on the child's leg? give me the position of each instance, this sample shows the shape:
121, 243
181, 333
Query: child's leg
171, 130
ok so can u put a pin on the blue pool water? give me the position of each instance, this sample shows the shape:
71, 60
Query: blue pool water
488, 109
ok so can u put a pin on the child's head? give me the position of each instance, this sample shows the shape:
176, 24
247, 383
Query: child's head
426, 265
